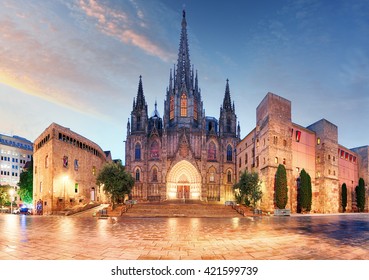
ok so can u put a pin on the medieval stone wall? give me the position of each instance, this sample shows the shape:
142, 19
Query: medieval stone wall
65, 170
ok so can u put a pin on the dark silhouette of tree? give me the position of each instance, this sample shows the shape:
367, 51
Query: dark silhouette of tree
360, 195
344, 197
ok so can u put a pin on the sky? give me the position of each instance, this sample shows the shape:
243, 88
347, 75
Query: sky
77, 63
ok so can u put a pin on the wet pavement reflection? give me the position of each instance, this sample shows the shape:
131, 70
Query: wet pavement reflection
300, 237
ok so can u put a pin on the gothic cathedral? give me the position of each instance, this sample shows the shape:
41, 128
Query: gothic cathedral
185, 154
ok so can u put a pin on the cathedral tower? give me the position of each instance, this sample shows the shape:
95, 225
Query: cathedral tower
183, 98
185, 155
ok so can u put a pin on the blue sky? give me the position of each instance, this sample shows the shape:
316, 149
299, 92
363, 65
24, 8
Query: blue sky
78, 62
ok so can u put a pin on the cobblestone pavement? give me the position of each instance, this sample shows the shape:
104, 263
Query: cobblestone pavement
301, 237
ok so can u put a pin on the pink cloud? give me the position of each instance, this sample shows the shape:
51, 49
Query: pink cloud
117, 24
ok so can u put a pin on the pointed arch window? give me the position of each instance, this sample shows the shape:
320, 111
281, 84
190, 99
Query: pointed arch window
154, 150
229, 176
183, 105
154, 175
229, 153
137, 151
138, 175
212, 175
171, 108
212, 151
195, 109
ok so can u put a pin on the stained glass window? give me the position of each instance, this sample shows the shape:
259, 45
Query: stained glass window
171, 105
183, 105
212, 151
137, 151
154, 150
229, 153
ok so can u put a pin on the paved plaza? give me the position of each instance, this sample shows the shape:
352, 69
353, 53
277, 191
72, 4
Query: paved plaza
316, 237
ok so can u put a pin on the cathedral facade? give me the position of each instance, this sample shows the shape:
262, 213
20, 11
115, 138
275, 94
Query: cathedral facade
184, 154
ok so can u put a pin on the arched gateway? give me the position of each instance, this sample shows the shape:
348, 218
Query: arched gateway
183, 181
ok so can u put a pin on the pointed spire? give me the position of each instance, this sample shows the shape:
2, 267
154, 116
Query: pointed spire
128, 127
170, 81
196, 83
183, 75
227, 105
140, 100
238, 131
192, 76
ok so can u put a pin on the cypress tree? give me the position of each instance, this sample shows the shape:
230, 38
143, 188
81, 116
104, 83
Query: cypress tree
281, 189
344, 197
360, 195
305, 192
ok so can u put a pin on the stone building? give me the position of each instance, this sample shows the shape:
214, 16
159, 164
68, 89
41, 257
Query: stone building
185, 154
65, 168
277, 140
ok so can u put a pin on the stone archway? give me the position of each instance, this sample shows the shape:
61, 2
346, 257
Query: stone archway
183, 181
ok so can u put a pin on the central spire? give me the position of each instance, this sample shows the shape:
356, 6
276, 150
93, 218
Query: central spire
183, 74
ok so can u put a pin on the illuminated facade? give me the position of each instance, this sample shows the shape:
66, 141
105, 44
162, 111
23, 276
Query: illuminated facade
65, 168
185, 154
277, 140
15, 152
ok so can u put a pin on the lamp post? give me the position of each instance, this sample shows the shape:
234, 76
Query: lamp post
11, 192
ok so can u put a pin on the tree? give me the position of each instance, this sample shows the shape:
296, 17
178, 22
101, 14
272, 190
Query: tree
117, 182
4, 195
281, 187
360, 195
305, 191
248, 189
344, 197
25, 184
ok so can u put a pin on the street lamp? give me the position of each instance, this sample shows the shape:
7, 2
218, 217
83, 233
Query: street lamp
11, 192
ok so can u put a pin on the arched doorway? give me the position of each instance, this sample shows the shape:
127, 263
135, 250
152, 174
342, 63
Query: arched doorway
183, 181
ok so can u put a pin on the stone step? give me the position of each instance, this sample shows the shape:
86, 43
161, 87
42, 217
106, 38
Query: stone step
180, 210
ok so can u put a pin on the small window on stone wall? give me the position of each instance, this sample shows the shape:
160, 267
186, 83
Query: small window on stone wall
154, 175
138, 175
65, 161
229, 177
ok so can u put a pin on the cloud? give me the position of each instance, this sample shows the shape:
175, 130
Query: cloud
116, 23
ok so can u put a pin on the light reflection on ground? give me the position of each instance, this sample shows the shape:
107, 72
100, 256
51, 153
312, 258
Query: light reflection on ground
304, 237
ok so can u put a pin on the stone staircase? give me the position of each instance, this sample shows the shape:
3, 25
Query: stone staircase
180, 209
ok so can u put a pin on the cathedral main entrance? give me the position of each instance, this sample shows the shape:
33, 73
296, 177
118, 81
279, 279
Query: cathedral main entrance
183, 192
183, 182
